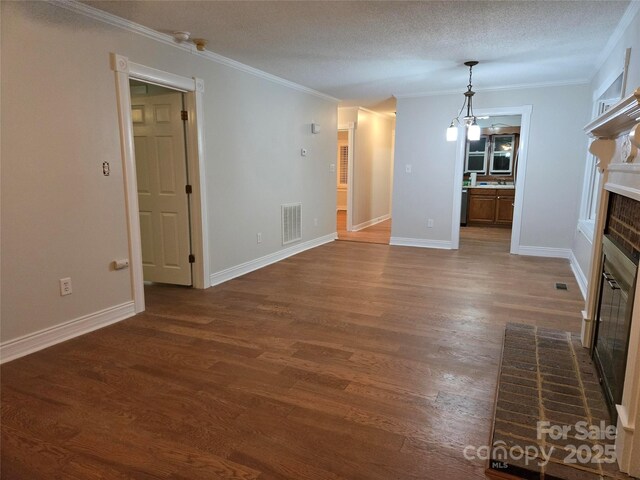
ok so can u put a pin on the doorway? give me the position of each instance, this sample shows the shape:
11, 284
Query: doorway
373, 182
490, 179
488, 183
158, 119
193, 91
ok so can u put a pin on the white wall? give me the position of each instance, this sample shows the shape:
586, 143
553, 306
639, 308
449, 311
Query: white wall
610, 67
373, 159
554, 166
372, 168
61, 217
347, 115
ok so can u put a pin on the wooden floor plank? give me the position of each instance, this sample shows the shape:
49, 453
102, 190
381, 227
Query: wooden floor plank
378, 233
348, 361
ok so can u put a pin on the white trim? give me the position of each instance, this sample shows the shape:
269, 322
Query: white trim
47, 337
545, 252
244, 268
369, 223
622, 189
525, 112
586, 228
517, 86
579, 274
456, 206
194, 104
194, 90
123, 98
420, 242
119, 22
627, 17
623, 419
386, 116
624, 167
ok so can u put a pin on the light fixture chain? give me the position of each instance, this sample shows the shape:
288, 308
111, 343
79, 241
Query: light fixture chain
470, 124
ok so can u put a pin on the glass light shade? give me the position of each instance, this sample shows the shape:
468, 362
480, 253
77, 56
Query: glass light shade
452, 133
473, 132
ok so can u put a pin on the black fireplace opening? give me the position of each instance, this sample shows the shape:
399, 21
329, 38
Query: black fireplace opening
613, 320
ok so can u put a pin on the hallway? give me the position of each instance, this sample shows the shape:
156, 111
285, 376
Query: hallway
379, 233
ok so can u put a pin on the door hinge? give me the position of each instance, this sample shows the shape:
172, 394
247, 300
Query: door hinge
192, 258
188, 189
184, 115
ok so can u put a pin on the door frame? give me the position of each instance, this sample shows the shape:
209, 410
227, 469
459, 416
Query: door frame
525, 112
350, 129
193, 89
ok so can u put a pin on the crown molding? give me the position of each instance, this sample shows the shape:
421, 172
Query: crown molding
516, 86
627, 17
388, 116
113, 20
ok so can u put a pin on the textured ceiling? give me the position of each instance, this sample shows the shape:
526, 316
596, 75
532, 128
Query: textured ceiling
364, 52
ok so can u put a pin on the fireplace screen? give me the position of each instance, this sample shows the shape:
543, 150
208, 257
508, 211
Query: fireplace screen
614, 320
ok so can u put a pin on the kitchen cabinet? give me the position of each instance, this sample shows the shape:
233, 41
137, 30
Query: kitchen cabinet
490, 206
482, 206
504, 207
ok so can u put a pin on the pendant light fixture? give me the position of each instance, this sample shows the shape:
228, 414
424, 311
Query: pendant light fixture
469, 120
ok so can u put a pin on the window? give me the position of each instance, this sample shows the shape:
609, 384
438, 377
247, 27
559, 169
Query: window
343, 165
591, 184
501, 154
477, 156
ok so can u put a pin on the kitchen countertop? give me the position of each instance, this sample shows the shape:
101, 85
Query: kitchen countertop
511, 187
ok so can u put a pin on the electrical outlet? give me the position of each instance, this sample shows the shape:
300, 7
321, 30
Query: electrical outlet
430, 223
332, 167
407, 168
65, 286
259, 237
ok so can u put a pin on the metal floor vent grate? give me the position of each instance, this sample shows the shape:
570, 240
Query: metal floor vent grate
561, 286
291, 223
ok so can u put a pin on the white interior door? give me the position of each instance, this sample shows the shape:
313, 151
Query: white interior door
161, 167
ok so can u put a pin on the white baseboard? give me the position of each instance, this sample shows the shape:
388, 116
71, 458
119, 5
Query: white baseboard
420, 242
370, 223
19, 347
581, 278
244, 268
545, 252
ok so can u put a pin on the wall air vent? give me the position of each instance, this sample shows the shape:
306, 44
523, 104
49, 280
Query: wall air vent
291, 223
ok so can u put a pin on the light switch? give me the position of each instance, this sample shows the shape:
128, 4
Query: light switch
332, 167
303, 152
407, 168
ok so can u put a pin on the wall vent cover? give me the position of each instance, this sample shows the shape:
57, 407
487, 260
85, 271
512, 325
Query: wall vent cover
344, 164
291, 223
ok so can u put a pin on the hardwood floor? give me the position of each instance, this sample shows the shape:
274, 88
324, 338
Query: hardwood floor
379, 233
347, 361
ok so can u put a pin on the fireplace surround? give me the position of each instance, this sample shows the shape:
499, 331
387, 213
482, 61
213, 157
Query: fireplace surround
616, 135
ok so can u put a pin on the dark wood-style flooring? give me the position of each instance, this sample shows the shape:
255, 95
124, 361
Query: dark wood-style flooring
378, 233
348, 361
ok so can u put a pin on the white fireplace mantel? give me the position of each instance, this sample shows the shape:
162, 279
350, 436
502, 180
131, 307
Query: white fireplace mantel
616, 144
